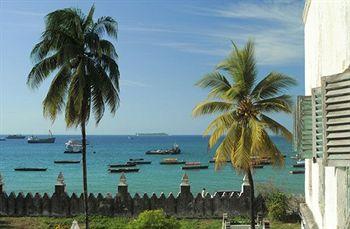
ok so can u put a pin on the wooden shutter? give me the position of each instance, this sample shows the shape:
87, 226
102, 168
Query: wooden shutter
317, 123
303, 127
336, 109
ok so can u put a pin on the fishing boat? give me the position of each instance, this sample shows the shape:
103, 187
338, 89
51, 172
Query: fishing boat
171, 161
194, 165
136, 159
141, 162
24, 169
35, 139
213, 161
67, 162
258, 166
175, 150
15, 136
297, 172
124, 170
73, 146
299, 166
127, 164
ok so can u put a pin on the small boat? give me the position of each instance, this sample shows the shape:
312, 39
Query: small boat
124, 170
258, 166
194, 165
15, 136
213, 161
35, 139
73, 146
301, 162
299, 166
2, 139
30, 169
297, 172
127, 164
67, 162
171, 161
136, 159
174, 150
141, 162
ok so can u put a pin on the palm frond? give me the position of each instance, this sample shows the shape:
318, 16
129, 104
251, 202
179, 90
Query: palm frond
281, 103
273, 84
106, 25
55, 98
217, 83
276, 127
211, 107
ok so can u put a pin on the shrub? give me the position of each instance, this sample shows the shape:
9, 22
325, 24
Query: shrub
239, 220
154, 219
277, 205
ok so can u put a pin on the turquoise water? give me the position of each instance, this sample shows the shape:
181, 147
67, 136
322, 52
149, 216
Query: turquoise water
151, 178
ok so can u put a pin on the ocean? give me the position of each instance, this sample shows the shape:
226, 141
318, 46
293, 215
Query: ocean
118, 149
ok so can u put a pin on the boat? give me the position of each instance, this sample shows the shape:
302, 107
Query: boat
297, 171
136, 159
194, 165
141, 162
171, 161
35, 139
299, 166
127, 164
151, 134
15, 136
2, 139
73, 146
258, 166
301, 162
174, 150
24, 169
213, 161
124, 170
67, 162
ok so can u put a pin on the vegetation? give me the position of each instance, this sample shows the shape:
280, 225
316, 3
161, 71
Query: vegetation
155, 219
86, 72
242, 104
102, 222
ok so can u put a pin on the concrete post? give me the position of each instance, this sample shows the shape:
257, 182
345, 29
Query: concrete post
185, 187
60, 186
1, 184
245, 186
122, 186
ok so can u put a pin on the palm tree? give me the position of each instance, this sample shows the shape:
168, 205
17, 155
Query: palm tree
85, 69
241, 104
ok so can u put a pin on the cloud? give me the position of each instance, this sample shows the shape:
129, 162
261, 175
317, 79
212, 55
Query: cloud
275, 26
22, 12
132, 83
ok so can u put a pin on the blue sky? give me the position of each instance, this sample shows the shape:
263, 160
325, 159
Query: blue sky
164, 47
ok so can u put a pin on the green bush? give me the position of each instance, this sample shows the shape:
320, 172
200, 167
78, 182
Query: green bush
277, 205
154, 219
239, 220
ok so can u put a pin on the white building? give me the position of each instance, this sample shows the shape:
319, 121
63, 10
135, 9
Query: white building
322, 127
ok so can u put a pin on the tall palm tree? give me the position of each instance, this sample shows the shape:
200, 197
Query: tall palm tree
241, 104
85, 69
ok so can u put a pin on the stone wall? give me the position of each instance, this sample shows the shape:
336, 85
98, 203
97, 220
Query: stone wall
183, 205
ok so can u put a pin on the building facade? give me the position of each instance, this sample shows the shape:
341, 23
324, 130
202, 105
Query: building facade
322, 117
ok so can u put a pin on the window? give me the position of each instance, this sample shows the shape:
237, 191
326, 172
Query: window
336, 122
317, 123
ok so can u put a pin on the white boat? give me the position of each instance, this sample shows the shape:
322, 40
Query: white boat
73, 146
301, 162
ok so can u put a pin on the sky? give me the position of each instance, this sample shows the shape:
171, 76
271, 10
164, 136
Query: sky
164, 48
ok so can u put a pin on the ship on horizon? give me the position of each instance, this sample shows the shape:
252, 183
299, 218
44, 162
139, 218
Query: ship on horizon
151, 134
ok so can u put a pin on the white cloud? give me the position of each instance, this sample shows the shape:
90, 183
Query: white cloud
132, 83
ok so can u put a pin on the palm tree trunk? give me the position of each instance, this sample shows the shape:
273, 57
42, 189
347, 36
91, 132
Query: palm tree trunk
83, 133
252, 199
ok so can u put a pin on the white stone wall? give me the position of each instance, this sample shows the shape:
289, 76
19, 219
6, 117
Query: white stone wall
327, 52
327, 40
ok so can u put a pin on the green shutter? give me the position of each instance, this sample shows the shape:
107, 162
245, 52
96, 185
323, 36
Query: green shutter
317, 123
303, 126
336, 109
